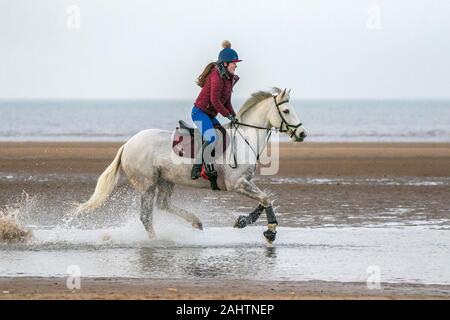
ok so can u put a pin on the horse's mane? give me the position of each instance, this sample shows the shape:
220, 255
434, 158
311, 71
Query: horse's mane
254, 99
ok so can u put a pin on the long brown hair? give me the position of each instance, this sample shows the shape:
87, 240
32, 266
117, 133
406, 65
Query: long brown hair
202, 78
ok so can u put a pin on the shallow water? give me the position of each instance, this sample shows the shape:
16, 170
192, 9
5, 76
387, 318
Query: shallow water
332, 229
413, 254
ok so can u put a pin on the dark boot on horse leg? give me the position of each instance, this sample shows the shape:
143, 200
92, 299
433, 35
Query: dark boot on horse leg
243, 221
146, 216
272, 223
270, 233
250, 189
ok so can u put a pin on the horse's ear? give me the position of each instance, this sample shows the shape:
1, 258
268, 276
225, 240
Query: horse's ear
289, 91
282, 94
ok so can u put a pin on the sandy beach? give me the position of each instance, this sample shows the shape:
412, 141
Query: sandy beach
326, 160
120, 288
335, 159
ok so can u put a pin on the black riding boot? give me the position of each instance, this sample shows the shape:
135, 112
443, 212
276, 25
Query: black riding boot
209, 167
212, 175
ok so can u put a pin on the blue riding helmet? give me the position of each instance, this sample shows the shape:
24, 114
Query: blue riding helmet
227, 54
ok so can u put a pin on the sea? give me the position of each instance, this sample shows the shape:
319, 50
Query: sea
324, 120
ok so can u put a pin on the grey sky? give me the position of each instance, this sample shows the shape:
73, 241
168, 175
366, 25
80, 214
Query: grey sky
156, 49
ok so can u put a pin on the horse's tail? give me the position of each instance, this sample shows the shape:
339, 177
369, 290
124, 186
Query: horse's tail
105, 185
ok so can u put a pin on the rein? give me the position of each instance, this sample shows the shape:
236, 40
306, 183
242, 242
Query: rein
269, 131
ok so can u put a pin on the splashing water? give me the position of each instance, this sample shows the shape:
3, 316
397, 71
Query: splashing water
112, 242
11, 230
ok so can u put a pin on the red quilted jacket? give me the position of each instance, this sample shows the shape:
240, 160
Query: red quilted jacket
215, 96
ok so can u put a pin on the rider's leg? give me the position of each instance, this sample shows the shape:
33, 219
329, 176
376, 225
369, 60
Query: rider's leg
208, 158
205, 124
209, 152
221, 138
200, 121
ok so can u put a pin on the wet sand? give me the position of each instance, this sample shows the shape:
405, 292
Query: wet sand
304, 159
373, 160
122, 288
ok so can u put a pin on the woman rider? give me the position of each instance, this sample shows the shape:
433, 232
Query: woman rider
216, 81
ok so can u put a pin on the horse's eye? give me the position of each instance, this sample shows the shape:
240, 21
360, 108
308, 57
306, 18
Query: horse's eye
286, 111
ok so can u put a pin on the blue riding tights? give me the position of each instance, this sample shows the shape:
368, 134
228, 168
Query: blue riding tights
205, 123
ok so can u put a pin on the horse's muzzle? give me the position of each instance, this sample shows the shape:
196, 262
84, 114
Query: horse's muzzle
300, 137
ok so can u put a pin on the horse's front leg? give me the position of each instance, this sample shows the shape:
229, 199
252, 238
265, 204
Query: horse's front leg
248, 188
243, 221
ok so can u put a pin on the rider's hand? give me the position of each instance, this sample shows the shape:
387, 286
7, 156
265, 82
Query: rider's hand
231, 118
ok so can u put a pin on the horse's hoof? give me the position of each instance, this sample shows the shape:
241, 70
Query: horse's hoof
270, 235
197, 225
241, 222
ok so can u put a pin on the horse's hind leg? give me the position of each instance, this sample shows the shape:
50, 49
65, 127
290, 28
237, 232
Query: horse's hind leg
165, 190
147, 202
186, 215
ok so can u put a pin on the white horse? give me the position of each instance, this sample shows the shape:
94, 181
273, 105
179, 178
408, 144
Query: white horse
147, 159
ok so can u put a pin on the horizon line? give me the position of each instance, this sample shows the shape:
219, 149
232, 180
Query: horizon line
235, 98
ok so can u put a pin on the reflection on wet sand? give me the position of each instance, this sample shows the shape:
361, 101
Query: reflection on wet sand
206, 262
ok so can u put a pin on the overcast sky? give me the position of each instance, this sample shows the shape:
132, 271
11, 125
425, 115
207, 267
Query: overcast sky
322, 49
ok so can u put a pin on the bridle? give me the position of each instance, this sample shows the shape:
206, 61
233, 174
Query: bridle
269, 131
283, 121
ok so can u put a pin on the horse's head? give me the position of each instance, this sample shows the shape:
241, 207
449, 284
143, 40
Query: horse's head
284, 117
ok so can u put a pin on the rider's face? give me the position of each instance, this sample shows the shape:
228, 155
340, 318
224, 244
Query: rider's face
231, 67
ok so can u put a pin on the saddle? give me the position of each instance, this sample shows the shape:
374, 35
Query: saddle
187, 140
